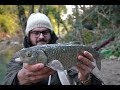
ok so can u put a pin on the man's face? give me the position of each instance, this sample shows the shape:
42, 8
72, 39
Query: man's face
40, 36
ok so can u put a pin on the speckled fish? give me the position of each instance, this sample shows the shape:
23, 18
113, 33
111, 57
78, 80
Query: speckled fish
65, 53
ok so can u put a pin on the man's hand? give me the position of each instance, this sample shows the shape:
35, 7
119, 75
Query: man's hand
86, 67
33, 73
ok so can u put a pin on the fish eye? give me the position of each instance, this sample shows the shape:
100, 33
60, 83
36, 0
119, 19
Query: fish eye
28, 54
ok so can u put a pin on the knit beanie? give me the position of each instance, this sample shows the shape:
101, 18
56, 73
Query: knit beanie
37, 20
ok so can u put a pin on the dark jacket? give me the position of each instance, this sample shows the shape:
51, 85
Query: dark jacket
13, 67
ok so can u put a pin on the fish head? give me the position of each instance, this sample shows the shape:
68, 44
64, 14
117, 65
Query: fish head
32, 56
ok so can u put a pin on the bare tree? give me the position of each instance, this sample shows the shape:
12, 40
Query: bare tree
42, 9
22, 17
31, 10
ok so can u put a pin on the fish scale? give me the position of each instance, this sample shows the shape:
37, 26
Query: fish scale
65, 53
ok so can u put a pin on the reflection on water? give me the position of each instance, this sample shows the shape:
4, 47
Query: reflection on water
5, 56
4, 59
2, 67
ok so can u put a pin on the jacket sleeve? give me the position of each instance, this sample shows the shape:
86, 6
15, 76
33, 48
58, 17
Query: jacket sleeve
12, 69
94, 79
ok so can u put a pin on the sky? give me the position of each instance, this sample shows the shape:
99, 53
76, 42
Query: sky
69, 11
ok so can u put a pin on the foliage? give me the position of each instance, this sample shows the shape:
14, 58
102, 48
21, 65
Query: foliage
7, 9
88, 37
115, 51
70, 36
8, 23
54, 12
8, 19
106, 52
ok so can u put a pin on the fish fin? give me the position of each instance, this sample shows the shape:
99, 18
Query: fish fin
56, 65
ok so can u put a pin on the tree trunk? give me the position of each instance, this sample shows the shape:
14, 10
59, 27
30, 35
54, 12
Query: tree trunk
31, 10
78, 26
22, 17
42, 9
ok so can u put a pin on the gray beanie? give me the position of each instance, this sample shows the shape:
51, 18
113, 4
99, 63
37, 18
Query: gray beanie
37, 20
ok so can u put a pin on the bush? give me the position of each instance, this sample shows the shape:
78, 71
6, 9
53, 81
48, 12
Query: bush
112, 51
8, 23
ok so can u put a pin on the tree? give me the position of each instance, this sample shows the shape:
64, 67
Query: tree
22, 17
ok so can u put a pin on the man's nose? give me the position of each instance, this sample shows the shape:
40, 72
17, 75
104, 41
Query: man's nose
41, 35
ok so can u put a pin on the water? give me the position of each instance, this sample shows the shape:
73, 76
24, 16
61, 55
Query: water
4, 60
5, 56
3, 63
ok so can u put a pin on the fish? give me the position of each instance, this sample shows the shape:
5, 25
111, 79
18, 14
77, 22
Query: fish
67, 54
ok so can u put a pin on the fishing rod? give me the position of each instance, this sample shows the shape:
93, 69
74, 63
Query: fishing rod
97, 48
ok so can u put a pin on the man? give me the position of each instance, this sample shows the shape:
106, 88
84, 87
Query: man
40, 31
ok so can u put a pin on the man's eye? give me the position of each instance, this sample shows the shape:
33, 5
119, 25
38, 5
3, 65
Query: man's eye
35, 32
44, 32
